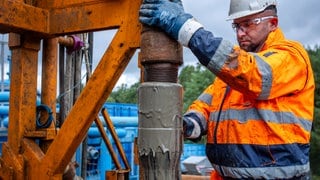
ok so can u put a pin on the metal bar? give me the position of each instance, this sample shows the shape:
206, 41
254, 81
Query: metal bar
78, 55
108, 143
58, 4
23, 93
66, 41
76, 74
93, 95
49, 73
49, 80
23, 88
115, 137
87, 17
84, 145
17, 17
117, 175
72, 18
62, 113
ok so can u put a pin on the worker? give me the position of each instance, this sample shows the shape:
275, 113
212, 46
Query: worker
257, 114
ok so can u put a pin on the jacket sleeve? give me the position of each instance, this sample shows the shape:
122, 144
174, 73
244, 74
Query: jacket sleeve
259, 75
198, 113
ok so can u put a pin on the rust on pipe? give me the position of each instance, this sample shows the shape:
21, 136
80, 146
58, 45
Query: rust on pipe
49, 81
157, 47
161, 72
108, 143
115, 137
160, 56
66, 41
49, 74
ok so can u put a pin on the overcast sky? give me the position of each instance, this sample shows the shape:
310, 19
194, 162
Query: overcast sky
299, 20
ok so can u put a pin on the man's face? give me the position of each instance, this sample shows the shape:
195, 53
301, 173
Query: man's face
252, 31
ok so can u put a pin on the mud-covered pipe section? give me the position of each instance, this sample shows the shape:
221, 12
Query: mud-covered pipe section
160, 107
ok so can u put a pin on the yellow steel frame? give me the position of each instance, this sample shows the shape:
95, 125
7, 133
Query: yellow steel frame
31, 21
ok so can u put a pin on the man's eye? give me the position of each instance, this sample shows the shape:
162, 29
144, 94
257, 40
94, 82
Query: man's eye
246, 24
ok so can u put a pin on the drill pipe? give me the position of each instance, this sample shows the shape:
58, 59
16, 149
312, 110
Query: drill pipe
160, 130
160, 56
160, 107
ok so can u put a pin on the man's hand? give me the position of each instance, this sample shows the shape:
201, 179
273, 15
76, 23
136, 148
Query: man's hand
188, 127
165, 14
191, 129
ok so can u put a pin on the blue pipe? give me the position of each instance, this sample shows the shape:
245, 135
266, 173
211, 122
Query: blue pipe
94, 132
6, 121
4, 96
4, 110
121, 121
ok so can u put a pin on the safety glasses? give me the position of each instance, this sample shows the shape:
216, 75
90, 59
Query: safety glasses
246, 25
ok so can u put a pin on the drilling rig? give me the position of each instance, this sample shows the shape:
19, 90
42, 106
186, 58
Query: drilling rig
44, 153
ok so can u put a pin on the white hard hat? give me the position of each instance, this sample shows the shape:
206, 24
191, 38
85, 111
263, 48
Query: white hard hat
242, 8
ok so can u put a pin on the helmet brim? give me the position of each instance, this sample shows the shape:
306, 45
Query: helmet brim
242, 14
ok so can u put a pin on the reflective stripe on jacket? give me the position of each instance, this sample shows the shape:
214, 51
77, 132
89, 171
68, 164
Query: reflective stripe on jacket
261, 127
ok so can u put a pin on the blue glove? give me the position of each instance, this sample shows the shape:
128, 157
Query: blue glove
188, 127
165, 14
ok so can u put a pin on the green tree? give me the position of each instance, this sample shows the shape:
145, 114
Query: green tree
194, 80
314, 55
184, 75
125, 94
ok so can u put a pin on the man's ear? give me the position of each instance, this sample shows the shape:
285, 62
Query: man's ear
274, 23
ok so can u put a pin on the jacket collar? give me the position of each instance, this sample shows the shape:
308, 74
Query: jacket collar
274, 36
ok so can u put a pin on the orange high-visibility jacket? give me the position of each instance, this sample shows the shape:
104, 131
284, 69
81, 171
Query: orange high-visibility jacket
258, 112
